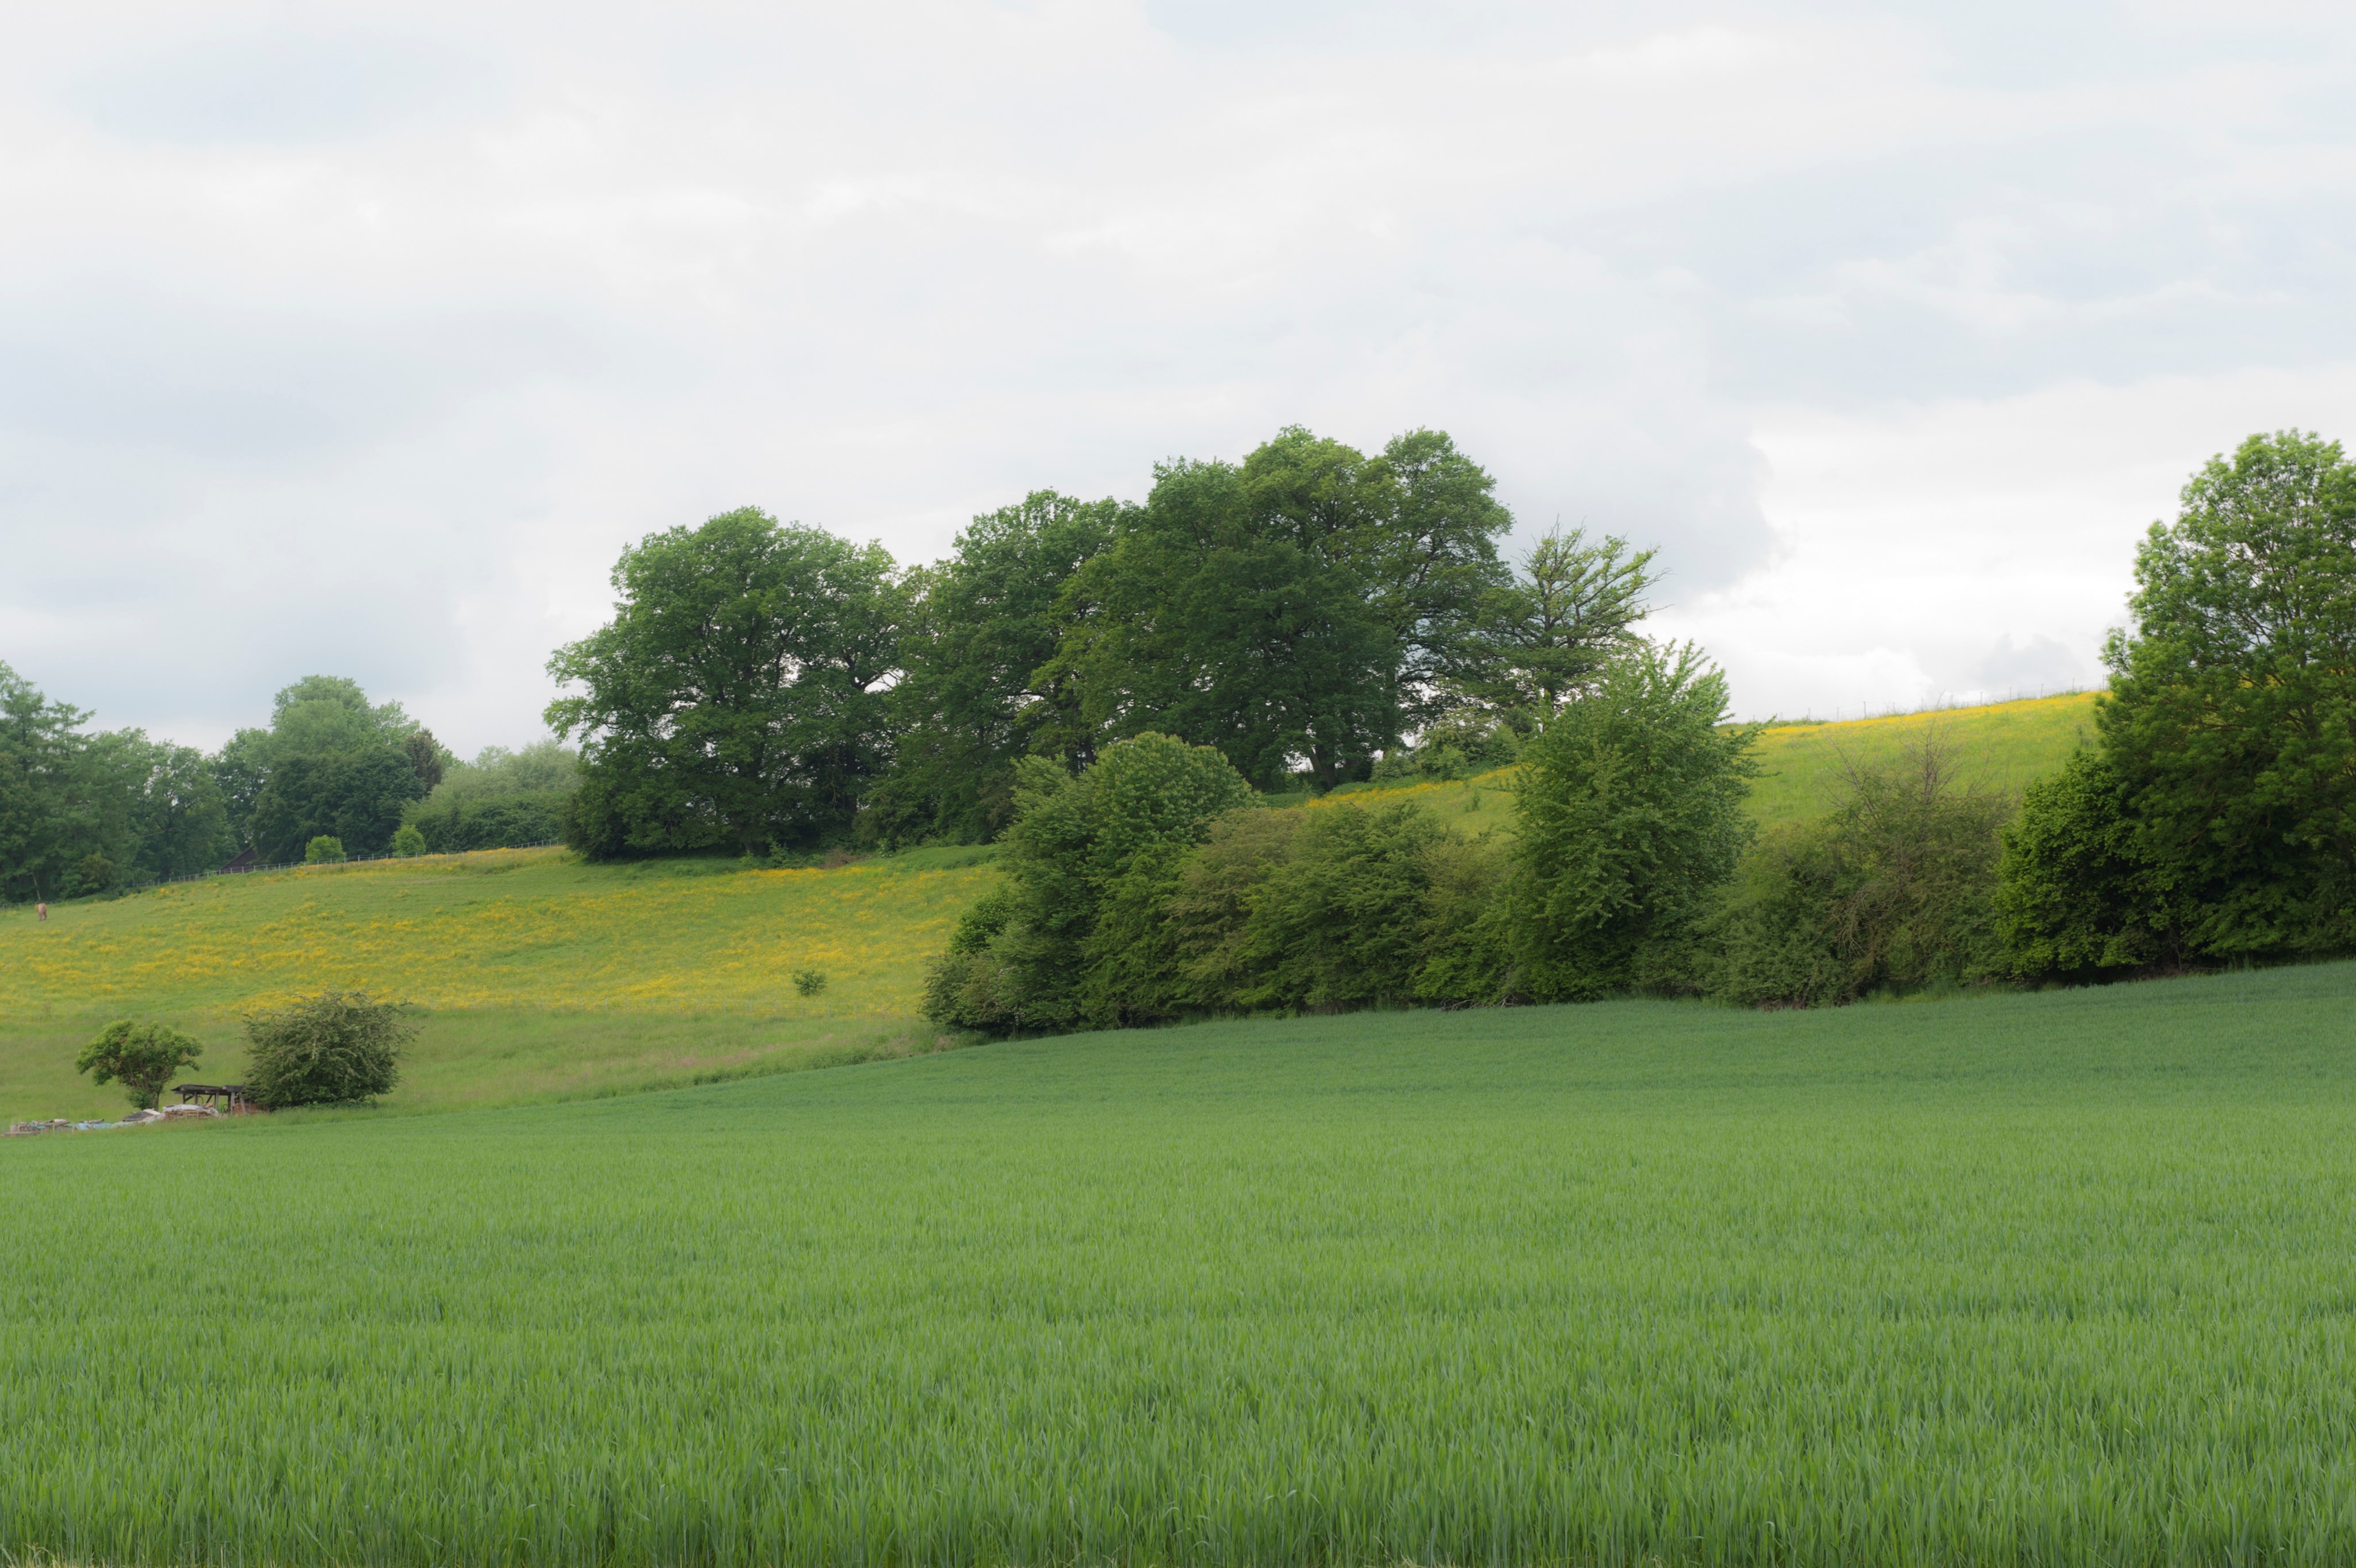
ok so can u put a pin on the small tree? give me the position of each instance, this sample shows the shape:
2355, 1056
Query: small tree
325, 1049
409, 843
1891, 890
1631, 807
325, 850
143, 1058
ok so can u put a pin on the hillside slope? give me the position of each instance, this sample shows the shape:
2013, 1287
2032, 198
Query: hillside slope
547, 978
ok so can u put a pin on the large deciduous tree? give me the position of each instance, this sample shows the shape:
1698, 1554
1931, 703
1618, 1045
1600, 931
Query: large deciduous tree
977, 691
2231, 724
1299, 608
739, 697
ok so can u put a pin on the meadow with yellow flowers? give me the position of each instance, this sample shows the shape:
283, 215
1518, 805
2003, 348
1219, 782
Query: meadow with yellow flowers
535, 976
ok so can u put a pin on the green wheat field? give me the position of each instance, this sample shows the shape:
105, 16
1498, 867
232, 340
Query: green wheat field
2055, 1278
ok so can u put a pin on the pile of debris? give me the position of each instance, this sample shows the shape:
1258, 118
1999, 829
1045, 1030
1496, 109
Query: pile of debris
136, 1119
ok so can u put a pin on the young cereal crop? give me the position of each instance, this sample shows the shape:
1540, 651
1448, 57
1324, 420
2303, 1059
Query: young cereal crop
2057, 1278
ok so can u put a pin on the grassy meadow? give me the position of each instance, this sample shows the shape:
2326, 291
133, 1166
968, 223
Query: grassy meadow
539, 977
2054, 1278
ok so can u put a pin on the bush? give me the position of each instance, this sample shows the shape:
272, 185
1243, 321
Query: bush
1304, 910
326, 1049
1089, 862
143, 1058
809, 981
1631, 806
2080, 895
1893, 890
408, 844
325, 850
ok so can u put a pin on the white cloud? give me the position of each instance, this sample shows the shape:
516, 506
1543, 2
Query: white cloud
354, 347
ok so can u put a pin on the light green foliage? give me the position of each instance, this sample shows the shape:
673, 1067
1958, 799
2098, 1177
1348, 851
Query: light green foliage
1088, 862
502, 799
143, 1058
1631, 806
2081, 896
324, 850
1549, 631
1893, 890
739, 696
2035, 1279
326, 1049
2231, 721
408, 843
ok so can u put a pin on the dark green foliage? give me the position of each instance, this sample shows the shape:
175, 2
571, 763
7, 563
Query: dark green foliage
330, 763
1318, 911
739, 696
2231, 722
143, 1058
80, 814
425, 756
2080, 895
1088, 860
1298, 606
1631, 805
356, 797
1893, 891
977, 692
326, 1049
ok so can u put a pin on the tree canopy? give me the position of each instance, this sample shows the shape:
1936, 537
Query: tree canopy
740, 695
2232, 718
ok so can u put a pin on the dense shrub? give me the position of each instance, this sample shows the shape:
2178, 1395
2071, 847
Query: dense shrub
501, 800
1894, 889
1089, 862
325, 850
143, 1058
454, 825
324, 1049
1631, 804
2081, 896
409, 843
1317, 910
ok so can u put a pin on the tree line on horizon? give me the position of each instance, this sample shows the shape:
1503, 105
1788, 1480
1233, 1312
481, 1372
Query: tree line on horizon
769, 687
84, 813
1115, 689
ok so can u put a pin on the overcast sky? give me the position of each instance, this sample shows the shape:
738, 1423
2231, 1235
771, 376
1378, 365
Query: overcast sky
357, 339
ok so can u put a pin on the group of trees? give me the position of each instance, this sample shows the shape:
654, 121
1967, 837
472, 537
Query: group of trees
85, 812
1156, 884
81, 812
766, 686
2213, 821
